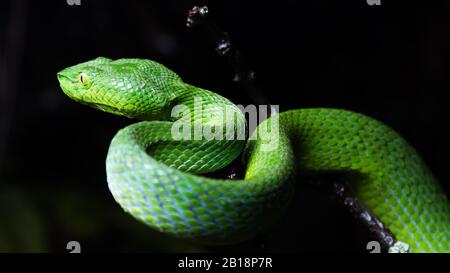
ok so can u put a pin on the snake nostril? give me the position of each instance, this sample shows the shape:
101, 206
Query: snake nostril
61, 77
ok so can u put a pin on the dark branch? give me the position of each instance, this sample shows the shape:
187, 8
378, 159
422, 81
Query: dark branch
376, 228
244, 74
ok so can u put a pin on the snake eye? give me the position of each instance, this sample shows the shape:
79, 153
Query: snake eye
84, 78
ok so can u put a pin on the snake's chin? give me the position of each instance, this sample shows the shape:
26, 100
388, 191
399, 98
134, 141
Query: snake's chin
106, 108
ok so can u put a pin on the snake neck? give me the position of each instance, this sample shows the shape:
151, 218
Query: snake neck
200, 106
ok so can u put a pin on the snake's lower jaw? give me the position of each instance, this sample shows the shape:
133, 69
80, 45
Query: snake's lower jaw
107, 109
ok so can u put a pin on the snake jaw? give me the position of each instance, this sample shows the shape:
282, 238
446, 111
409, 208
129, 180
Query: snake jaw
109, 109
71, 86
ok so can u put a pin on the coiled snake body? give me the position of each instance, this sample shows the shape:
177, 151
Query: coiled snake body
155, 177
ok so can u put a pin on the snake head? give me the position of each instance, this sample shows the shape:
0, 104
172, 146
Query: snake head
134, 88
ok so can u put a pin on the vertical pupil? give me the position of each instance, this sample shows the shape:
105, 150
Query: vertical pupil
81, 78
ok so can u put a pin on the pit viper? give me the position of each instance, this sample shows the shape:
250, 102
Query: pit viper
155, 167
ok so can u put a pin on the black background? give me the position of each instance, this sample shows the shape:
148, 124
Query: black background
390, 62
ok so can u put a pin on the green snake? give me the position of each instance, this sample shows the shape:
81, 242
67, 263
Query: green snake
154, 171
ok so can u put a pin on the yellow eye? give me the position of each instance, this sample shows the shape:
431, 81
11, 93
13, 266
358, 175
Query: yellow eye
84, 78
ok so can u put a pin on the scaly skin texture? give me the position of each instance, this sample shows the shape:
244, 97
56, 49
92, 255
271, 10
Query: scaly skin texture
155, 177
